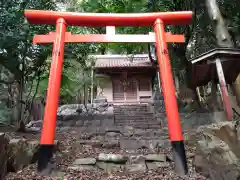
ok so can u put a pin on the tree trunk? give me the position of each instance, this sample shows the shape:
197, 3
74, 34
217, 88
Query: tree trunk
222, 35
21, 123
221, 32
92, 84
15, 101
36, 109
78, 97
17, 94
213, 97
85, 94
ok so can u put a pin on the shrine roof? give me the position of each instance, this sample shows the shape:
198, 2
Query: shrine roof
117, 61
217, 53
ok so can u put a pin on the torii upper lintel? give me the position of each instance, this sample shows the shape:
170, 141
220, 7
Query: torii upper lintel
107, 19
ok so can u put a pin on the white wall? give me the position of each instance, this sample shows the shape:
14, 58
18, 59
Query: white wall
107, 90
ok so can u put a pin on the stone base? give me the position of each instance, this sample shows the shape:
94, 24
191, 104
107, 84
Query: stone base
116, 162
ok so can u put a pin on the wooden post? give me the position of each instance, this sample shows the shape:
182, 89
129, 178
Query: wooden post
92, 84
49, 122
223, 88
223, 40
174, 125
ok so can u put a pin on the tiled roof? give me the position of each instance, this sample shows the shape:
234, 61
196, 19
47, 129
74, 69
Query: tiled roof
113, 61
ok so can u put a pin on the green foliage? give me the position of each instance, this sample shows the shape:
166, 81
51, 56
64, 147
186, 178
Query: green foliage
5, 115
20, 60
74, 79
203, 38
120, 6
177, 51
5, 112
17, 53
16, 49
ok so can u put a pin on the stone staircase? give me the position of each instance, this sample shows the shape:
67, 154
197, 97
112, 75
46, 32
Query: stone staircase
137, 115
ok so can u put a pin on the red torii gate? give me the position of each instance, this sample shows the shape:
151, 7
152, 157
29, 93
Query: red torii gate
58, 38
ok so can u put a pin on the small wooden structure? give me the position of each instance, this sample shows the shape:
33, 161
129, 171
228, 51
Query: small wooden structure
129, 77
220, 65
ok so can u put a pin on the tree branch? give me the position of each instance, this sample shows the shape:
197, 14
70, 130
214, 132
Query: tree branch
6, 82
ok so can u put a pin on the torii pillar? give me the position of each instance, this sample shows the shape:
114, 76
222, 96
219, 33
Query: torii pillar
157, 19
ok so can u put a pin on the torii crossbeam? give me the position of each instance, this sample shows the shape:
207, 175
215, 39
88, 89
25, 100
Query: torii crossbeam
60, 37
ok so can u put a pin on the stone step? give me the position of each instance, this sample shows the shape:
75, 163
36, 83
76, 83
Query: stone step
131, 112
137, 108
134, 123
127, 110
134, 113
134, 107
134, 117
142, 120
145, 120
154, 126
141, 126
137, 116
138, 111
130, 122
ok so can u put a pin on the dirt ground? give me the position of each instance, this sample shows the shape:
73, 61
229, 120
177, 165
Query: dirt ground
70, 150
